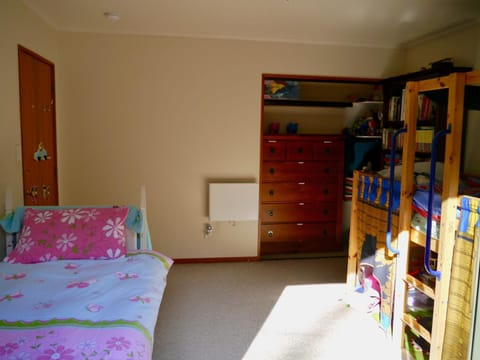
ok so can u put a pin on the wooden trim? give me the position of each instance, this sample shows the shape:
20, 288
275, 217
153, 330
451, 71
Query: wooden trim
438, 83
353, 249
405, 211
352, 80
451, 175
472, 78
35, 55
216, 260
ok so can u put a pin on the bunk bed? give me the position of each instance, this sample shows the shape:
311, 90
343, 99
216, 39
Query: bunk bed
414, 270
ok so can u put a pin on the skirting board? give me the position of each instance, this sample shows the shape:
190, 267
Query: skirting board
213, 260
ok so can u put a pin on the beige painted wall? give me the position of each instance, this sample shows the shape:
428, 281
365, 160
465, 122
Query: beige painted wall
169, 113
462, 45
18, 25
174, 114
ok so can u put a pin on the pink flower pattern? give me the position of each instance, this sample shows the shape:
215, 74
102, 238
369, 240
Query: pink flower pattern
58, 353
126, 276
118, 343
24, 344
82, 233
8, 348
71, 266
138, 298
15, 276
81, 284
10, 297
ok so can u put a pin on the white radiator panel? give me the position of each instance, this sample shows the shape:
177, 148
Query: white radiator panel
233, 201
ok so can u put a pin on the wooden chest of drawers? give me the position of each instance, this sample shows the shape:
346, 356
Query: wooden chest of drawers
301, 194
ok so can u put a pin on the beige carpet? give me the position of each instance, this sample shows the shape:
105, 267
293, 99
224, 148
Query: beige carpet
272, 310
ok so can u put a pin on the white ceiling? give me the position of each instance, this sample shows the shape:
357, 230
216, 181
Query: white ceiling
379, 23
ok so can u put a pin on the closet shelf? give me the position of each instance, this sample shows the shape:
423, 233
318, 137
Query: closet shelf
410, 321
307, 103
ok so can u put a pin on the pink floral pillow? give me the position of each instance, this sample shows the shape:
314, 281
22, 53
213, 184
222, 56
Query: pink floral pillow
77, 233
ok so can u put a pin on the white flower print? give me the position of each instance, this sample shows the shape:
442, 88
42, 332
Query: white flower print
25, 245
9, 260
66, 242
112, 254
114, 228
43, 217
26, 231
48, 257
71, 215
90, 214
87, 345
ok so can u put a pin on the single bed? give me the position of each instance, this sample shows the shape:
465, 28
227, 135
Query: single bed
80, 283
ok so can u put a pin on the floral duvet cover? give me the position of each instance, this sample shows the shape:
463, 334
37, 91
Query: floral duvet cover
81, 309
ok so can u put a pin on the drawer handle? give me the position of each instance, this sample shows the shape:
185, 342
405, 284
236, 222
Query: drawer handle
270, 212
272, 141
301, 162
272, 150
299, 224
327, 142
301, 204
301, 183
271, 171
271, 192
270, 233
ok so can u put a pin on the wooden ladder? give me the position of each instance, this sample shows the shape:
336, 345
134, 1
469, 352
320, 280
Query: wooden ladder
455, 84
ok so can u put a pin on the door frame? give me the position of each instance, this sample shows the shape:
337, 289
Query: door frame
53, 151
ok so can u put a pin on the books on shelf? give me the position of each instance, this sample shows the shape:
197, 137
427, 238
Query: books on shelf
427, 109
424, 137
396, 108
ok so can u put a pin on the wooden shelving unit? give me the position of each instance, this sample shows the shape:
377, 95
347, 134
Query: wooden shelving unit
455, 85
439, 320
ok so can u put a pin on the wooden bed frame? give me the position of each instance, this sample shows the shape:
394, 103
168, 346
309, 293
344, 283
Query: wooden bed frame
455, 84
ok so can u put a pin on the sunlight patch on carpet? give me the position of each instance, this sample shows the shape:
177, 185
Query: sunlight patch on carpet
315, 322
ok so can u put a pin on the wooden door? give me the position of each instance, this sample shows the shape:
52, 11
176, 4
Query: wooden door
37, 116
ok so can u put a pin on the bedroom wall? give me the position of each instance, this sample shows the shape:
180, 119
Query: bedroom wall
18, 25
462, 45
174, 114
169, 113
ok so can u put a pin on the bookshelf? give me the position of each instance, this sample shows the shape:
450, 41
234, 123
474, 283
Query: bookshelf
431, 113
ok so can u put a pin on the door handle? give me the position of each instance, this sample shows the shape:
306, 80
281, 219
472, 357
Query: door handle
33, 193
46, 191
